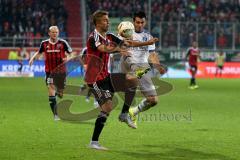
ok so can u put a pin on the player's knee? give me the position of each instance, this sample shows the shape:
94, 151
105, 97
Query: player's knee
51, 90
153, 100
107, 106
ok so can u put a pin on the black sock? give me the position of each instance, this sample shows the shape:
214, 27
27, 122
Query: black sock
194, 81
53, 102
89, 93
125, 108
99, 124
191, 82
128, 99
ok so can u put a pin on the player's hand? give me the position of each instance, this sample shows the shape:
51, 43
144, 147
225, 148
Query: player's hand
153, 40
162, 69
124, 52
65, 59
127, 42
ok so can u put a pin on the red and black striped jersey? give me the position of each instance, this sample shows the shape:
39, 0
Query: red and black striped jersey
97, 62
193, 54
54, 54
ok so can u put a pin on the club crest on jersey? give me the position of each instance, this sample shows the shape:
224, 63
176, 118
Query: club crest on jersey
59, 46
144, 39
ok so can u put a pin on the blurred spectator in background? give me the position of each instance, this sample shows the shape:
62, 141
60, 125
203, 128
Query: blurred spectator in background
222, 41
13, 54
174, 11
24, 54
26, 19
23, 19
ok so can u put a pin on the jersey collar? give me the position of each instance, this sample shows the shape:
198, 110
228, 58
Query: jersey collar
99, 34
52, 42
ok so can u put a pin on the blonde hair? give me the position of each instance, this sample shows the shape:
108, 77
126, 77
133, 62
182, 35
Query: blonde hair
53, 28
97, 15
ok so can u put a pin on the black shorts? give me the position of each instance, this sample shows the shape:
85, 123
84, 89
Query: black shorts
103, 90
193, 68
58, 79
220, 67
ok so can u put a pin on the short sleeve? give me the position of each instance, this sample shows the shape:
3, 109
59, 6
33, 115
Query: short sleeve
67, 47
41, 48
151, 48
115, 39
92, 43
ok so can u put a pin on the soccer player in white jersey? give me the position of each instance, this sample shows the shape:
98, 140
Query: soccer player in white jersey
138, 62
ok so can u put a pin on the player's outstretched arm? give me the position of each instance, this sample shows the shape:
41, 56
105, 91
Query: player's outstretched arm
37, 54
153, 58
133, 43
70, 56
109, 48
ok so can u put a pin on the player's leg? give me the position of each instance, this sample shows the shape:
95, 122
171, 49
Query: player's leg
20, 67
220, 70
129, 89
51, 95
193, 71
145, 104
194, 78
59, 80
148, 90
124, 115
106, 108
88, 94
103, 92
216, 73
127, 84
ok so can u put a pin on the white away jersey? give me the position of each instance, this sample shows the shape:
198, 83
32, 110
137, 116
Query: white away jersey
140, 54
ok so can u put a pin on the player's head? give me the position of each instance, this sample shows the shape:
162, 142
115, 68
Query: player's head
139, 21
101, 20
194, 44
53, 32
221, 53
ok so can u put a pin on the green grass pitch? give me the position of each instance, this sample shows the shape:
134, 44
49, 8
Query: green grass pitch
202, 124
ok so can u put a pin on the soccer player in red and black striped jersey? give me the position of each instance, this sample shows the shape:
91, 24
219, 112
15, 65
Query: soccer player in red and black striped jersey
193, 54
99, 45
54, 50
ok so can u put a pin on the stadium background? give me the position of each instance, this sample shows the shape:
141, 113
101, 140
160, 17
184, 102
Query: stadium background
211, 132
214, 24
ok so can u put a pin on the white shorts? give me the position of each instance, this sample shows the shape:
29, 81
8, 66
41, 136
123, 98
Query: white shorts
146, 85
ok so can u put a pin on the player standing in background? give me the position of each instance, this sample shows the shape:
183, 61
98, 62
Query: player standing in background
54, 50
220, 59
193, 55
138, 62
20, 62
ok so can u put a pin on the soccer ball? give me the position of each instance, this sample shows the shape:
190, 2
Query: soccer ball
125, 29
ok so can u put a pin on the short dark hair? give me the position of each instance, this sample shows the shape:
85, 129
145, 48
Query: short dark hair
139, 14
97, 15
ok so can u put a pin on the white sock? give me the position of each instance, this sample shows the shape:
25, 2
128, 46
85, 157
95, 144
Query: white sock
139, 107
